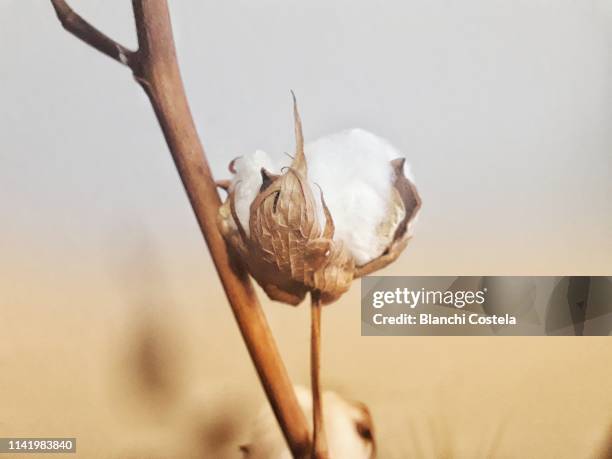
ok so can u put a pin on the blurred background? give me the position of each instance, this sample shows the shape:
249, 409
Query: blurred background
113, 325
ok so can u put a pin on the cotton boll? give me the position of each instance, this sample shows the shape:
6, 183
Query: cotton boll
247, 181
353, 168
348, 426
339, 210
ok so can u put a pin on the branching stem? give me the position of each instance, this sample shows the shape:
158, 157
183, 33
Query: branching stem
155, 67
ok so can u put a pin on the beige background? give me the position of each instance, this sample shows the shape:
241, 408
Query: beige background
113, 326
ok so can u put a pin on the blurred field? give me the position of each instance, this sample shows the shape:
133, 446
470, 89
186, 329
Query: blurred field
139, 357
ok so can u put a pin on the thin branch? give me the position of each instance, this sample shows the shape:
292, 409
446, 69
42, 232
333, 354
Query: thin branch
155, 67
319, 439
83, 30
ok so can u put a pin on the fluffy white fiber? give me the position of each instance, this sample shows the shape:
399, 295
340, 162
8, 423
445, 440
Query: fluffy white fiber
353, 169
247, 181
341, 416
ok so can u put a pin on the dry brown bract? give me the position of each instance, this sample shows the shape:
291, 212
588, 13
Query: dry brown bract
288, 253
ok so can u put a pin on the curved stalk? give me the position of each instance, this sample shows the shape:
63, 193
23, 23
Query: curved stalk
319, 439
155, 66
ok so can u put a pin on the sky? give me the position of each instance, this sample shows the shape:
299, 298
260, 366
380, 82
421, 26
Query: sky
502, 109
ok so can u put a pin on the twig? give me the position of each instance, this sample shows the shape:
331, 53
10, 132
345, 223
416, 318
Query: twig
155, 67
319, 440
82, 29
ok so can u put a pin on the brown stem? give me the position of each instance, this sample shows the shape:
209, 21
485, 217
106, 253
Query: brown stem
83, 30
155, 67
319, 440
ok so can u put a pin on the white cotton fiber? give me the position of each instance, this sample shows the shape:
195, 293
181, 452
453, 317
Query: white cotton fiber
247, 181
353, 169
341, 419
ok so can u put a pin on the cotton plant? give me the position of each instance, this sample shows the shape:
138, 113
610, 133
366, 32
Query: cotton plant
286, 235
340, 209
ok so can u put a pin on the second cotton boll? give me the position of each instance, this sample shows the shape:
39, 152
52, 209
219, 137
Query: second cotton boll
348, 426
